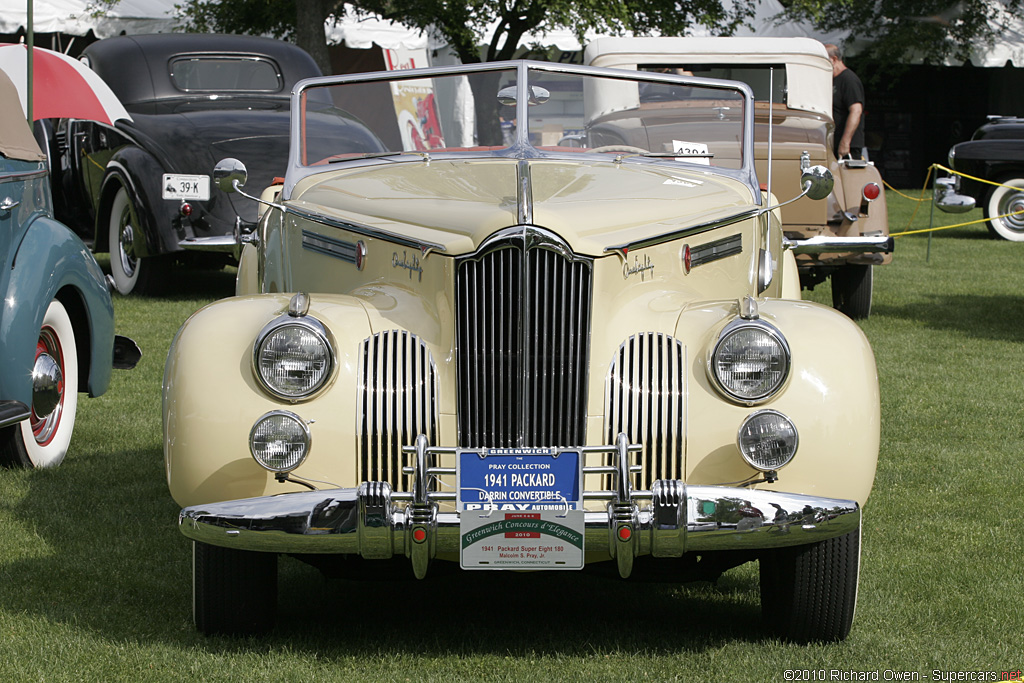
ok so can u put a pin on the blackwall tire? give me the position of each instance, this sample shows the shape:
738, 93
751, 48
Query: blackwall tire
1004, 200
43, 440
234, 592
852, 288
809, 592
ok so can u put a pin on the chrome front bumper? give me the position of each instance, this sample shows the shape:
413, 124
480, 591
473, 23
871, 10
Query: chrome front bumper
374, 522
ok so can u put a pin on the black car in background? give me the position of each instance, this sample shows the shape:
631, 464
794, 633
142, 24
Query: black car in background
995, 153
141, 188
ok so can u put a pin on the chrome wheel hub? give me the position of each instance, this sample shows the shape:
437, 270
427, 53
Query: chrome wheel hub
1012, 203
47, 387
127, 245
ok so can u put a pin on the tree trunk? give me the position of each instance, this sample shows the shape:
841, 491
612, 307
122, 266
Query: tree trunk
486, 106
310, 35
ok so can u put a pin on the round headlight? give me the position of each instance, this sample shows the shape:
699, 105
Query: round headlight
768, 440
751, 361
293, 359
279, 441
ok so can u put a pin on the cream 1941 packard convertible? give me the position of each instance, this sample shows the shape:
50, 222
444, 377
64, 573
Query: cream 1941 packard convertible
458, 339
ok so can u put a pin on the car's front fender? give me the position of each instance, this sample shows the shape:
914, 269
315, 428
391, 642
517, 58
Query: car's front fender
211, 399
52, 263
831, 396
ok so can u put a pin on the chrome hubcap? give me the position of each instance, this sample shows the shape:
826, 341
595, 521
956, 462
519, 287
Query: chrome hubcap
127, 239
47, 387
1011, 203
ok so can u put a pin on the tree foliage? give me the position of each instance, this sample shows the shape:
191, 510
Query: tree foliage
467, 24
903, 31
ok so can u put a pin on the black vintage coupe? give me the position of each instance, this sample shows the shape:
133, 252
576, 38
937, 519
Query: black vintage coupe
141, 189
995, 153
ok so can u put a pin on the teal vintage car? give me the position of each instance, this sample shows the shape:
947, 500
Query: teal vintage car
57, 320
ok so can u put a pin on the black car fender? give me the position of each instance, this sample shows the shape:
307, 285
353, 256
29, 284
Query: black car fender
140, 174
990, 159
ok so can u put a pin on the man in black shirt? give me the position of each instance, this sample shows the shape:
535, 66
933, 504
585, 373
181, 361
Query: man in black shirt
847, 106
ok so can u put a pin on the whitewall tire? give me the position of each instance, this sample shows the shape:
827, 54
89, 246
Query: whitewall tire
44, 438
1004, 200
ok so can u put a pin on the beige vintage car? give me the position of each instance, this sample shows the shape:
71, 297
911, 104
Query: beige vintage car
472, 342
794, 77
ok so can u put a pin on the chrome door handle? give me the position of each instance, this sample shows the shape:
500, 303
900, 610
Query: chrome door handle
7, 204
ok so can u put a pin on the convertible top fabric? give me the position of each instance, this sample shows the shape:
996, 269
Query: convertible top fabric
16, 140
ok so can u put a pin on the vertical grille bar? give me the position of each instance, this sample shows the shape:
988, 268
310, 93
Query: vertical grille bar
398, 401
644, 399
522, 374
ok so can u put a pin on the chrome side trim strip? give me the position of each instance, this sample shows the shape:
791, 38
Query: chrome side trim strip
16, 176
322, 244
623, 249
713, 251
424, 247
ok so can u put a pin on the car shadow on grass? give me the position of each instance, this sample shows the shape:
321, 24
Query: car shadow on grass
104, 559
994, 317
564, 613
186, 281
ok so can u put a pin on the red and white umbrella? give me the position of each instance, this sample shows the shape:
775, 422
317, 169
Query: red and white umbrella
62, 87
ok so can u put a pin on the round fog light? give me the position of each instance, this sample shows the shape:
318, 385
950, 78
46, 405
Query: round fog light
279, 441
768, 440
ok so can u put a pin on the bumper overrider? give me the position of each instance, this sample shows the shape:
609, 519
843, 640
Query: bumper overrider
375, 522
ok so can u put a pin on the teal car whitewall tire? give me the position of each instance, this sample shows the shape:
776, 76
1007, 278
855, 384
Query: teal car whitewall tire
43, 439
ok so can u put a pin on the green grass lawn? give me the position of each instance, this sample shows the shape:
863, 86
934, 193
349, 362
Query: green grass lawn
95, 578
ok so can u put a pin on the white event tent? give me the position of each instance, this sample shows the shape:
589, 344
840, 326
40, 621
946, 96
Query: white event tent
76, 18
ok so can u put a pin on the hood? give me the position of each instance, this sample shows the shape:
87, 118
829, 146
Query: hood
460, 203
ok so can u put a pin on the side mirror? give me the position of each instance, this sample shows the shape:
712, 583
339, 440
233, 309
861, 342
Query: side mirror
948, 199
229, 174
817, 182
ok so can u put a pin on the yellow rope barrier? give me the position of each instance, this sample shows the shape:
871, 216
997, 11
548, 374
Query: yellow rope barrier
922, 199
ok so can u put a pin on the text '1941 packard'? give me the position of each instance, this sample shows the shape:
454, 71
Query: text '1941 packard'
470, 329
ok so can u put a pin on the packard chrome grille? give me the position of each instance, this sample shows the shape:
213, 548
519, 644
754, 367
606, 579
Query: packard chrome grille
644, 398
397, 401
523, 335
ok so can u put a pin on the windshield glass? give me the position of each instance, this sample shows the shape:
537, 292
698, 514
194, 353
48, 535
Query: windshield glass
567, 113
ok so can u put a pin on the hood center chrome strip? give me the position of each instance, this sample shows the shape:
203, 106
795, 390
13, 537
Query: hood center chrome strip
524, 196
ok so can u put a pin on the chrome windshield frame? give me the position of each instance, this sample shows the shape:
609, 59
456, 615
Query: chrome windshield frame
521, 148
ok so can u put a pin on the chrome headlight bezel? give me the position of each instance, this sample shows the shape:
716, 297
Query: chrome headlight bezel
319, 333
306, 440
730, 390
759, 417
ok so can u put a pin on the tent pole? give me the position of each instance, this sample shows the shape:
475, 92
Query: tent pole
31, 49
